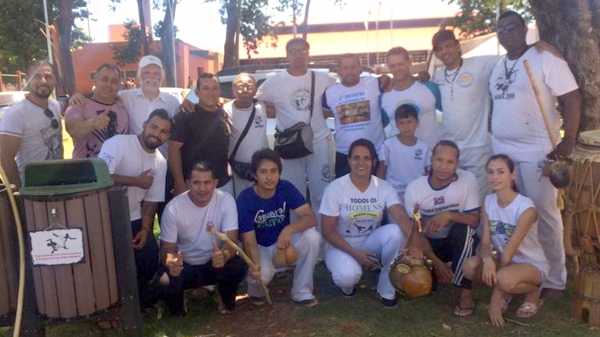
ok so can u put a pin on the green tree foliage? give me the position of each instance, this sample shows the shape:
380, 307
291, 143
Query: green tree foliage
130, 51
478, 17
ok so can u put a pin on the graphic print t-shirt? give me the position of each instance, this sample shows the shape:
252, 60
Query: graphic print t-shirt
359, 213
267, 217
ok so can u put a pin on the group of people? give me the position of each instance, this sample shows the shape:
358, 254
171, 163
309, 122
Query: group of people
208, 167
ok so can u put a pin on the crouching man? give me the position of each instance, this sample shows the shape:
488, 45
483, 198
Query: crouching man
191, 254
264, 217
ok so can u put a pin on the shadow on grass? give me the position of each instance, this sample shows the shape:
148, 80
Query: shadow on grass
361, 316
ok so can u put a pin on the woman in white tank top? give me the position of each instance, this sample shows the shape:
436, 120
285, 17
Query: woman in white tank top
510, 225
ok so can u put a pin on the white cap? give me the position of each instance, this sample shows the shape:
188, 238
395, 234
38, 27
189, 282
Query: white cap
148, 60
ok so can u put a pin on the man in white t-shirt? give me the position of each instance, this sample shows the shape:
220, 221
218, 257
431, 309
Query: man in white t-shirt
239, 112
448, 201
518, 130
133, 161
30, 130
191, 254
354, 103
290, 93
406, 90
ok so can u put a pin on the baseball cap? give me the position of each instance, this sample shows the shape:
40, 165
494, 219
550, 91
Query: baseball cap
441, 36
297, 40
148, 60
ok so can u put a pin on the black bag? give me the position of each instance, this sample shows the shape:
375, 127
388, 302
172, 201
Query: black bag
243, 170
297, 141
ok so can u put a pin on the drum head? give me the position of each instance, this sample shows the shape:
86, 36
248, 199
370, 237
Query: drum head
591, 137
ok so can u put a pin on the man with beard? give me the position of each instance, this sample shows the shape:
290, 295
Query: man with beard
134, 162
31, 130
354, 102
100, 118
202, 135
519, 130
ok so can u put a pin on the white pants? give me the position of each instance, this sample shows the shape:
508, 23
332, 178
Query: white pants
228, 187
240, 184
474, 160
307, 245
385, 242
550, 226
317, 168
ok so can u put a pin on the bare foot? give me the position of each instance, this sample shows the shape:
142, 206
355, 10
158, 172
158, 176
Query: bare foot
466, 304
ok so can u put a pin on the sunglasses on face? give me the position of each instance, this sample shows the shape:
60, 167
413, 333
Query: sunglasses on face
54, 121
297, 51
247, 87
506, 28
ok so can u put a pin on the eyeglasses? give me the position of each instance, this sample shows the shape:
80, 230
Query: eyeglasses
297, 51
54, 121
247, 87
506, 28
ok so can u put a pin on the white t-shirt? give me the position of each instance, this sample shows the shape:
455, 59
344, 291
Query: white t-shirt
466, 101
517, 122
39, 141
290, 95
503, 223
461, 195
139, 109
423, 99
404, 163
185, 224
357, 113
125, 156
359, 213
255, 139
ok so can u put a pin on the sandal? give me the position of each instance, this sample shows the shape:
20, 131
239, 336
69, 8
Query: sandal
528, 309
505, 302
463, 312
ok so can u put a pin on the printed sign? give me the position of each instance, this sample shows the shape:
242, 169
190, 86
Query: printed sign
57, 247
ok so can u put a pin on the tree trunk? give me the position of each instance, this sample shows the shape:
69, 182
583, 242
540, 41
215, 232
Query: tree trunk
64, 25
305, 22
144, 36
167, 40
233, 21
574, 28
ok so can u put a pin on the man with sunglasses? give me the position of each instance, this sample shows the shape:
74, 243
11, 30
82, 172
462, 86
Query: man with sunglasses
519, 130
100, 118
31, 130
239, 111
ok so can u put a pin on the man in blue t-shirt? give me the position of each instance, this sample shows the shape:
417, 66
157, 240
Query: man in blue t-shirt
264, 224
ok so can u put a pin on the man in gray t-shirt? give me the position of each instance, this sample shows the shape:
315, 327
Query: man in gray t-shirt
31, 130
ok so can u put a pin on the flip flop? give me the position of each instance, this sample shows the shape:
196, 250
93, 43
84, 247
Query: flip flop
528, 309
505, 302
463, 312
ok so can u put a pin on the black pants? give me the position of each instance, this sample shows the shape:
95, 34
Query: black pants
458, 246
146, 263
227, 280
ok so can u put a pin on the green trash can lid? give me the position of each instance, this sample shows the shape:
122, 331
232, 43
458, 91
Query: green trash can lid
63, 177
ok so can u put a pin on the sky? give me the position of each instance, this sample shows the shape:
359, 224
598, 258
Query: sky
199, 23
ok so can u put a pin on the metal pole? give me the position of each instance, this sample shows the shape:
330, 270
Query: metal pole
367, 29
377, 32
392, 27
49, 45
169, 3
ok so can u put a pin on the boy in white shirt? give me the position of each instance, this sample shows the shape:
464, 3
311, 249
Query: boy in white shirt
404, 157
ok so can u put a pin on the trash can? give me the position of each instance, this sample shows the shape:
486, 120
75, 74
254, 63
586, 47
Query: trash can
8, 258
69, 236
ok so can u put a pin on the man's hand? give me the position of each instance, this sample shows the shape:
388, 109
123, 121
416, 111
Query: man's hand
255, 273
77, 99
442, 271
174, 264
179, 187
437, 222
102, 120
385, 83
563, 150
140, 239
366, 258
285, 238
489, 273
218, 257
186, 106
423, 76
145, 179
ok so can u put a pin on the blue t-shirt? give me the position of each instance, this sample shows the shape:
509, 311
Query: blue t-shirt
267, 217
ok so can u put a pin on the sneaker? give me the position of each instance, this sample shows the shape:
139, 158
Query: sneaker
308, 303
258, 301
389, 304
349, 295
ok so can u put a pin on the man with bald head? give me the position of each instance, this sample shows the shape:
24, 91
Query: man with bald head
248, 120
